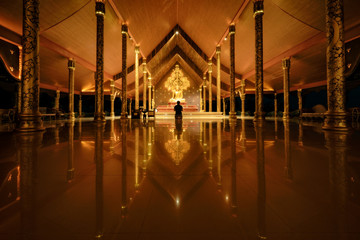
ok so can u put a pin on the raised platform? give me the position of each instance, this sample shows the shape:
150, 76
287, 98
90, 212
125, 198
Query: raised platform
170, 108
187, 115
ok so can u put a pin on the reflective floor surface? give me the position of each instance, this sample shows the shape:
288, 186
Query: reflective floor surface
193, 179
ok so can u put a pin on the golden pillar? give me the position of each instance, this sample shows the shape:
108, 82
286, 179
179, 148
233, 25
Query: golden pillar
232, 113
259, 74
99, 115
71, 67
130, 105
243, 97
210, 85
18, 97
30, 117
201, 101
80, 105
275, 106
144, 83
243, 135
57, 101
299, 102
112, 98
286, 72
218, 79
99, 188
71, 169
335, 117
149, 97
287, 151
137, 78
124, 32
204, 92
224, 106
153, 97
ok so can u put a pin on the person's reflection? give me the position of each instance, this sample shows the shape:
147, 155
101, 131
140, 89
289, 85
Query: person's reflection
261, 199
287, 149
71, 170
178, 128
99, 137
336, 142
27, 147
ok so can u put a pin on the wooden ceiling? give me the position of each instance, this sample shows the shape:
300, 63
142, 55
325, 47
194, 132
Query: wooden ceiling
291, 28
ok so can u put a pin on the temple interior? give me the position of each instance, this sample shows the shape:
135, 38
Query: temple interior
264, 147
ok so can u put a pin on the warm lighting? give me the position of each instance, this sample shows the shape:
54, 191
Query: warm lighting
177, 32
225, 38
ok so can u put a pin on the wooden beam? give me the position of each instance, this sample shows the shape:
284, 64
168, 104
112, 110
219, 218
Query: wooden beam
44, 42
234, 20
306, 86
10, 36
54, 88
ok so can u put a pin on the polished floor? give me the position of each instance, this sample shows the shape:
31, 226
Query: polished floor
195, 179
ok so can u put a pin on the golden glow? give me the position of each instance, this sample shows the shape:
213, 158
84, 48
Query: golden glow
177, 83
258, 12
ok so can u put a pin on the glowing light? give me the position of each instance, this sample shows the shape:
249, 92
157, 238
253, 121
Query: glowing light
177, 32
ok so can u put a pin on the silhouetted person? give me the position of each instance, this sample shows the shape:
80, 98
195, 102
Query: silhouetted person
178, 110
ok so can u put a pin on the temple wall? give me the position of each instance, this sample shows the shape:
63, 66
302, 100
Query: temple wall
163, 95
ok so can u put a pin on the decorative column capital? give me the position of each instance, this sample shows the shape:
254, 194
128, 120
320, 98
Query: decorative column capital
299, 91
243, 83
124, 29
218, 49
210, 65
232, 29
100, 7
137, 49
286, 63
71, 64
275, 94
258, 7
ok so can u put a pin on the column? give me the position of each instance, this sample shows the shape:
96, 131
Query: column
224, 106
112, 98
57, 100
299, 102
124, 32
137, 78
99, 115
200, 105
18, 98
286, 72
335, 117
30, 117
71, 67
204, 92
150, 108
210, 85
144, 83
80, 105
242, 96
258, 15
232, 113
275, 105
218, 82
153, 98
130, 105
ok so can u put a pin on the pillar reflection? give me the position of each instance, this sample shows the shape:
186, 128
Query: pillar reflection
144, 148
234, 206
210, 148
28, 145
300, 140
243, 135
218, 133
123, 168
112, 136
287, 151
71, 170
136, 156
336, 142
261, 198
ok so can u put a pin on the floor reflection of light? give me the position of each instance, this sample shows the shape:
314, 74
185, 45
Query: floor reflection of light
177, 202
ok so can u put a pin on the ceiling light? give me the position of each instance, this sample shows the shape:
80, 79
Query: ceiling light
177, 32
225, 38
